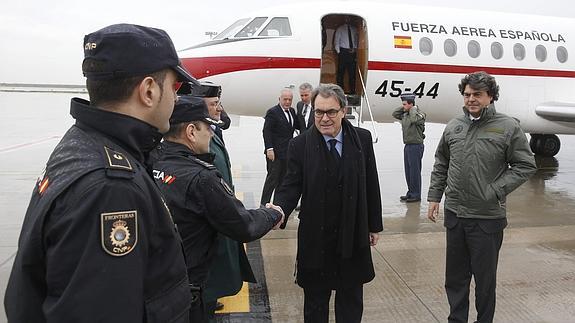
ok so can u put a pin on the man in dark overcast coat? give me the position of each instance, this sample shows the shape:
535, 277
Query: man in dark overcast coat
332, 167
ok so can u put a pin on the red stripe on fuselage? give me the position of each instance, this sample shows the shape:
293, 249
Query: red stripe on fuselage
209, 66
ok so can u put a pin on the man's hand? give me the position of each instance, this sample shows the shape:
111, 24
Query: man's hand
279, 209
270, 154
373, 238
433, 211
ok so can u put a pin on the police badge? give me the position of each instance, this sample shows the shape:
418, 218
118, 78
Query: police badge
119, 232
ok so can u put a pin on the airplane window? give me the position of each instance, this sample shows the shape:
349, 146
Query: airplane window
232, 30
250, 29
519, 51
278, 26
496, 50
450, 47
541, 53
473, 49
562, 54
425, 46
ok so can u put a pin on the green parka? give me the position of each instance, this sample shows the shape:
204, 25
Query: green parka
477, 163
412, 124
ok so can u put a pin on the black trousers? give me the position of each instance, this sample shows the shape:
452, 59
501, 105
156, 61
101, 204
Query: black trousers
472, 250
348, 305
412, 155
346, 61
276, 172
198, 313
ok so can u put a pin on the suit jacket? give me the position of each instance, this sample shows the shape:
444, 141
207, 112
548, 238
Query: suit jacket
301, 117
277, 130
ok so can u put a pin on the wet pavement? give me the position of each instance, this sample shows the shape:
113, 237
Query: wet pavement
536, 277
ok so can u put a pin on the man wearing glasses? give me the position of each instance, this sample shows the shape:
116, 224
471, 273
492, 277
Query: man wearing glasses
332, 167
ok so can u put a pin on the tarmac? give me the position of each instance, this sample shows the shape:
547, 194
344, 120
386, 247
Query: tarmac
536, 275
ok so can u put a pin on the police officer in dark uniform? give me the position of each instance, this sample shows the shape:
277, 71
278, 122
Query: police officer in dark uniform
98, 243
230, 267
201, 201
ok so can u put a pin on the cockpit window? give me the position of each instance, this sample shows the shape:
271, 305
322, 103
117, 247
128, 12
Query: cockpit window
278, 26
250, 29
232, 30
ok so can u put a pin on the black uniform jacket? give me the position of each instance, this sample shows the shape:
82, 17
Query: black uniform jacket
202, 204
360, 208
98, 243
278, 131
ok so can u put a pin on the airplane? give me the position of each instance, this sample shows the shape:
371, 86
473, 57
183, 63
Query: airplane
402, 48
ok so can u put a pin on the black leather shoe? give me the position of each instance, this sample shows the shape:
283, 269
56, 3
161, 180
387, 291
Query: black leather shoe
403, 197
413, 199
219, 306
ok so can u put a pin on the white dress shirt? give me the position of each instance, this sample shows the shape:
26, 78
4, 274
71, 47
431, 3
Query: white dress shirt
342, 39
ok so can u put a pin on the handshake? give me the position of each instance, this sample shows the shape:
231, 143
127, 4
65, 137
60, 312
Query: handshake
279, 209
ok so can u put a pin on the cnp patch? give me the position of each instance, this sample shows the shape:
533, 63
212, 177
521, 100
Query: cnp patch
226, 187
119, 232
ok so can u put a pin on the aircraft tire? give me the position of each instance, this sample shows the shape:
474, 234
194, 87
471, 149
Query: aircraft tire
545, 145
550, 145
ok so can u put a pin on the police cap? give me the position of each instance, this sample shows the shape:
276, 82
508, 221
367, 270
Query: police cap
407, 96
126, 50
203, 90
190, 108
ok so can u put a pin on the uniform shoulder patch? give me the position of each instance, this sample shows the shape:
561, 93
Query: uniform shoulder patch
117, 160
203, 163
119, 232
42, 182
227, 188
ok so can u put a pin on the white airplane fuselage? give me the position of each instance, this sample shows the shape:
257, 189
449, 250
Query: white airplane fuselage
540, 93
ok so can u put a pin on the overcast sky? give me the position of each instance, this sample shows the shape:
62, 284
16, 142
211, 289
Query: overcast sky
41, 41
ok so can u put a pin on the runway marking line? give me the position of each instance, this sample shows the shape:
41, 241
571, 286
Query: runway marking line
238, 303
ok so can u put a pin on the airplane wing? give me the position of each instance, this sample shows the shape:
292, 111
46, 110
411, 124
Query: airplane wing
556, 111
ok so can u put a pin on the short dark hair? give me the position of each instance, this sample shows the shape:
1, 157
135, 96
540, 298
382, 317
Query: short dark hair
481, 81
329, 91
108, 92
176, 129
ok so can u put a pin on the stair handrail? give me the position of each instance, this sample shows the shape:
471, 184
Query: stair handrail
364, 96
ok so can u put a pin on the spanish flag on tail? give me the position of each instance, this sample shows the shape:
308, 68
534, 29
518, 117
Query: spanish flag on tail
402, 42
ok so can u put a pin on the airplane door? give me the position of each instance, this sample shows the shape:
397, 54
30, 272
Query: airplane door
330, 59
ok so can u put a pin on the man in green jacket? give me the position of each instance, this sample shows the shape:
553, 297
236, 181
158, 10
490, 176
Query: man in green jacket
230, 267
482, 156
412, 125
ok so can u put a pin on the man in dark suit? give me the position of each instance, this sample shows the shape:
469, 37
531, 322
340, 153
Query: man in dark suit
303, 107
333, 166
279, 126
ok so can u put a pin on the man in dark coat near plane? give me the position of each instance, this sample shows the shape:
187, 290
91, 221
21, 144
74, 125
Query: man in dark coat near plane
332, 167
